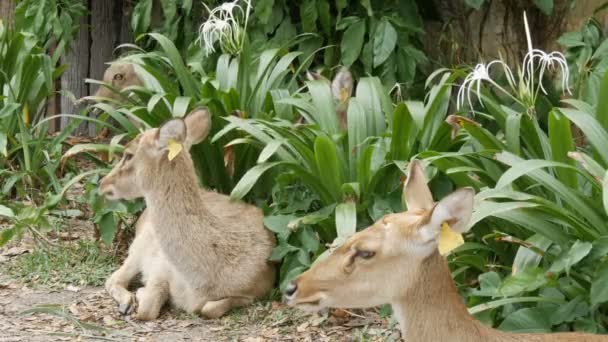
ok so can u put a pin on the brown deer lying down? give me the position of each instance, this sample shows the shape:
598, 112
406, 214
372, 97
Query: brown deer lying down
203, 252
396, 261
119, 75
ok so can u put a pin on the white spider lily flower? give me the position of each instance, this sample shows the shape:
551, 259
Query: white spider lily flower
535, 63
545, 60
481, 73
224, 26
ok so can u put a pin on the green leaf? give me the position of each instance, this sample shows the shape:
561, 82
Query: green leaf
279, 224
308, 15
352, 42
6, 212
269, 150
570, 311
512, 133
560, 137
385, 40
489, 283
601, 113
605, 192
6, 235
500, 302
346, 219
567, 259
107, 228
529, 258
528, 320
328, 166
476, 4
599, 286
404, 133
250, 178
546, 6
594, 131
525, 281
313, 218
263, 10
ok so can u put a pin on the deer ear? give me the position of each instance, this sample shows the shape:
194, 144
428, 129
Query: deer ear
173, 130
198, 123
415, 191
455, 210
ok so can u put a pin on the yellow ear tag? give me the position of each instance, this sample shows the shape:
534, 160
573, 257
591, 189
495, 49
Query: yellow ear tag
344, 95
175, 149
448, 239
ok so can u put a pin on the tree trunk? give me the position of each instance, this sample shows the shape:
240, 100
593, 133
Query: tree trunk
78, 69
104, 36
7, 11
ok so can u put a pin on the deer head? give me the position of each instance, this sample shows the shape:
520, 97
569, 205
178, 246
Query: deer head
145, 158
379, 264
119, 76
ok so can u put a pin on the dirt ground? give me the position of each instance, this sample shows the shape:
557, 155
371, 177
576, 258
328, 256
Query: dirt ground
74, 312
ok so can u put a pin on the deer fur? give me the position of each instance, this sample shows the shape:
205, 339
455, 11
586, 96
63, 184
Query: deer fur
197, 248
119, 75
396, 261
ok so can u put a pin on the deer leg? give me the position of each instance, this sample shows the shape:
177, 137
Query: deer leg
118, 283
151, 298
217, 308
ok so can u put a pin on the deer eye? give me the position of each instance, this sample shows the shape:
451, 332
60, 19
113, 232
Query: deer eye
118, 77
365, 254
128, 156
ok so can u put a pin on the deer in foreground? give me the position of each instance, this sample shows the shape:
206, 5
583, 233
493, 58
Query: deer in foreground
194, 247
396, 261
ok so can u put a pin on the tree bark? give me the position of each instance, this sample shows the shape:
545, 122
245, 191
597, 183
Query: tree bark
78, 69
104, 36
7, 11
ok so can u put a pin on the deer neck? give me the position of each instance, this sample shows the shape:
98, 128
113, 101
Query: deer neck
181, 220
432, 309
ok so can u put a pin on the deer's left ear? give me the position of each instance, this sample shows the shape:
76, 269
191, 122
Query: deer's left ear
455, 210
173, 130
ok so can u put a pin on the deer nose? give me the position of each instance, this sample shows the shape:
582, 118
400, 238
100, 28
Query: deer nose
291, 289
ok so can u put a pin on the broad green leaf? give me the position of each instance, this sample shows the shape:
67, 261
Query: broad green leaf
385, 40
476, 4
512, 133
545, 6
313, 218
526, 258
605, 192
324, 111
593, 129
404, 133
528, 320
500, 302
560, 137
328, 165
269, 150
107, 228
525, 167
570, 311
346, 219
601, 113
279, 224
571, 257
6, 212
250, 178
6, 235
489, 283
352, 42
599, 285
526, 281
